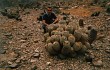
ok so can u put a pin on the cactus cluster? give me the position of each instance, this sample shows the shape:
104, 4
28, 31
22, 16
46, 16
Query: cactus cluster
65, 39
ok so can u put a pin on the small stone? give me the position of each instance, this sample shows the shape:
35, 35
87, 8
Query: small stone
14, 65
98, 63
18, 61
2, 51
32, 60
36, 55
10, 62
34, 68
70, 69
22, 41
48, 63
37, 51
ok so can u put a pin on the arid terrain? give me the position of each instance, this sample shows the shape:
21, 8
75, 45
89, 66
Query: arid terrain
22, 45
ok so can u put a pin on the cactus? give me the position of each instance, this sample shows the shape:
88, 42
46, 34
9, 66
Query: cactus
66, 48
50, 49
60, 29
49, 40
84, 38
62, 22
71, 39
50, 29
46, 35
55, 32
56, 46
87, 45
83, 49
62, 39
55, 26
77, 46
77, 35
57, 38
65, 33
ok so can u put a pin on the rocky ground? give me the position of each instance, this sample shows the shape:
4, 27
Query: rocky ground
22, 45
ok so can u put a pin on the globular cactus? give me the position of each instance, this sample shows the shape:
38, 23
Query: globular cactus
62, 22
50, 29
57, 38
83, 49
92, 35
87, 45
84, 37
63, 39
55, 26
71, 39
75, 27
50, 40
66, 48
56, 46
46, 35
49, 48
77, 35
60, 29
55, 32
53, 38
65, 33
77, 46
69, 28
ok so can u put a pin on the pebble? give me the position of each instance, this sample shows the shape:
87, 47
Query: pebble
48, 63
18, 61
36, 51
14, 65
34, 68
36, 55
2, 51
98, 63
33, 60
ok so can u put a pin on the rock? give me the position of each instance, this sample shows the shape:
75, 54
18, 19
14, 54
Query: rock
48, 63
9, 62
2, 50
18, 61
81, 23
34, 68
108, 51
33, 60
36, 55
14, 65
98, 63
36, 51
